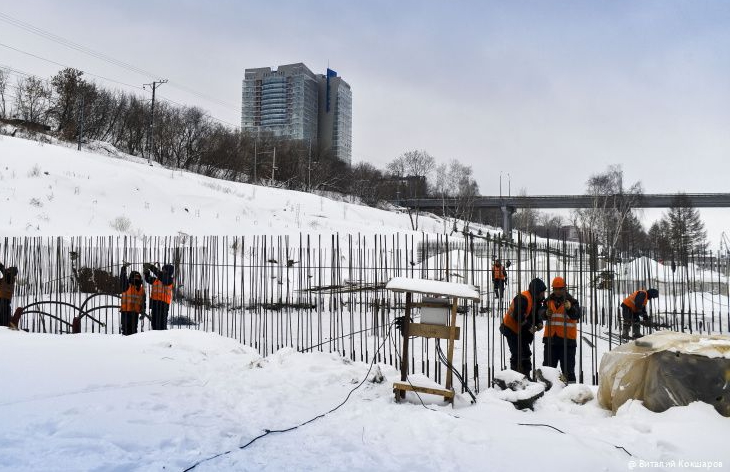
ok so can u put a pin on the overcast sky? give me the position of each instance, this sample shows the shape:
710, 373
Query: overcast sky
547, 92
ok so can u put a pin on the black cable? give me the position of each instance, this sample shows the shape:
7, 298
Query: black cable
555, 428
543, 425
455, 372
268, 431
397, 352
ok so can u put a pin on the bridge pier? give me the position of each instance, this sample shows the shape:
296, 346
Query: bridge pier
507, 213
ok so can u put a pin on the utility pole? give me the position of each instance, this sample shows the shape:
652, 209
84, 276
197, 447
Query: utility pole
255, 155
151, 138
273, 167
309, 168
81, 120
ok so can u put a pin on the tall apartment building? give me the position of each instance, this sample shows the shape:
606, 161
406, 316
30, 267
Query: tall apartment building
335, 116
295, 103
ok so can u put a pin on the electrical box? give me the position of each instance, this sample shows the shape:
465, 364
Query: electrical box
435, 310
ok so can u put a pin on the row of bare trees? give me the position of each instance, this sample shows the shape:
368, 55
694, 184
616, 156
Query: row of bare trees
613, 222
188, 138
184, 137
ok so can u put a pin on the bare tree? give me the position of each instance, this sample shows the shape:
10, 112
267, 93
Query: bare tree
527, 218
413, 169
31, 99
3, 87
67, 87
611, 204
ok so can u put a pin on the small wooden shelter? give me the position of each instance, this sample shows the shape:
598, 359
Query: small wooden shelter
449, 330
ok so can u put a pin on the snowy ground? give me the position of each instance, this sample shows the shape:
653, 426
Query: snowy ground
166, 400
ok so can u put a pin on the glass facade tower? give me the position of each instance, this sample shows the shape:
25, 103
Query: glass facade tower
293, 102
282, 101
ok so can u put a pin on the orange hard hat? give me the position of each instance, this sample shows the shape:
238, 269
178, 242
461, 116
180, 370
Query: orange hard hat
558, 282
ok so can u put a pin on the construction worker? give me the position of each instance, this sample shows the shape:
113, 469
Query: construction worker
561, 329
7, 288
633, 308
160, 293
520, 323
499, 277
133, 300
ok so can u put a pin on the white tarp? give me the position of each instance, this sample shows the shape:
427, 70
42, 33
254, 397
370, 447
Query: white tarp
667, 369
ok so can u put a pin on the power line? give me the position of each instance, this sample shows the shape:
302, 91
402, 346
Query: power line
70, 44
106, 79
69, 67
104, 57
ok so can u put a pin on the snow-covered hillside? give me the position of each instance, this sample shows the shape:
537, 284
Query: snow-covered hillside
50, 189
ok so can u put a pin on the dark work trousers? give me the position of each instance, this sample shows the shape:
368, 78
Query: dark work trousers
631, 321
499, 288
523, 345
5, 313
129, 322
557, 351
159, 311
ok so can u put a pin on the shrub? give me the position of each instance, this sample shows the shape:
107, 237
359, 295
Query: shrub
121, 224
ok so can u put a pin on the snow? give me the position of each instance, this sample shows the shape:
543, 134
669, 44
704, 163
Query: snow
428, 286
55, 190
168, 400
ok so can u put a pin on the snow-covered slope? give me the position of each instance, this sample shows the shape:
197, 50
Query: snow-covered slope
50, 189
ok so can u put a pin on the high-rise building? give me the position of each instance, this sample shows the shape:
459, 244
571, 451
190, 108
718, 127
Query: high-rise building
282, 101
335, 116
293, 102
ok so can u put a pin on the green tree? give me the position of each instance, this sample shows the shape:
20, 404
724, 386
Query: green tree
686, 231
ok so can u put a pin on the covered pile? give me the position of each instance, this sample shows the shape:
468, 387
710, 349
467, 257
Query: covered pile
668, 369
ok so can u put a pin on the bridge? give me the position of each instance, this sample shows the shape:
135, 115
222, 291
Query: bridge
509, 204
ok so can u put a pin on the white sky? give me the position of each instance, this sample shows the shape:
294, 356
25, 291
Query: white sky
545, 92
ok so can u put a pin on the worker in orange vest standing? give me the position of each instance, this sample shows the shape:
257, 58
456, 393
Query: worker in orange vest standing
7, 288
520, 323
133, 300
633, 308
160, 293
561, 329
499, 277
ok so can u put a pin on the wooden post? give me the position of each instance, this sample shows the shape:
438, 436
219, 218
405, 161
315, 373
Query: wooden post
406, 326
450, 348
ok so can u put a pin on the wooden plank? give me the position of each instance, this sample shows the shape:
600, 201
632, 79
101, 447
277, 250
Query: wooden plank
421, 389
432, 331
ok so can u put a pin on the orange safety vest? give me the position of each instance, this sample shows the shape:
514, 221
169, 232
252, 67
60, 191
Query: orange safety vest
6, 290
630, 301
161, 292
498, 272
133, 299
509, 318
556, 325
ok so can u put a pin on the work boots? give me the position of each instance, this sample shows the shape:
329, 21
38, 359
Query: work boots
636, 332
625, 332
